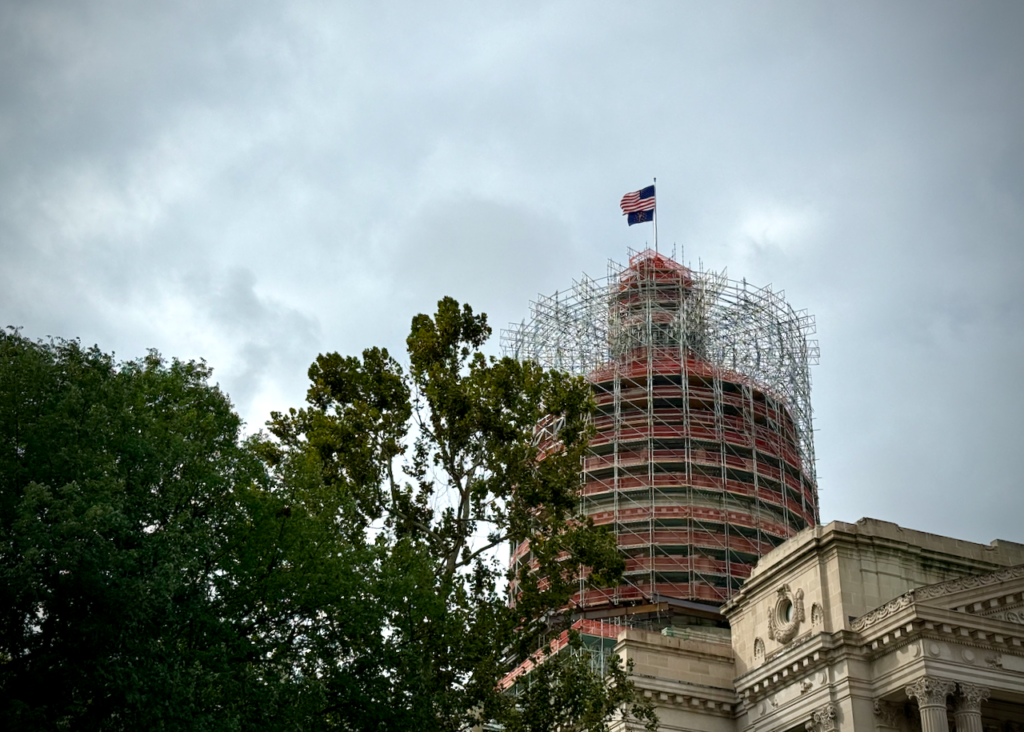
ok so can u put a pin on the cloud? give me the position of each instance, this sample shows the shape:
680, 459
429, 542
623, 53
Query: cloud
256, 183
257, 340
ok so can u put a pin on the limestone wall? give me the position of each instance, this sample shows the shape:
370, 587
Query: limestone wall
830, 574
690, 681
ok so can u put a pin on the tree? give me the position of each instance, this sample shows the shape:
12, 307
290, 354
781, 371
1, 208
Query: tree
442, 466
156, 573
566, 693
151, 577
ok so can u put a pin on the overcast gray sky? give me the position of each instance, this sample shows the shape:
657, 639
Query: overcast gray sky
257, 182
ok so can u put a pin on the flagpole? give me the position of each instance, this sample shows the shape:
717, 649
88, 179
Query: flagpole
655, 217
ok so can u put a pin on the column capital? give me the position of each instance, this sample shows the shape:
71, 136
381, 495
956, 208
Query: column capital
970, 697
930, 691
889, 714
823, 719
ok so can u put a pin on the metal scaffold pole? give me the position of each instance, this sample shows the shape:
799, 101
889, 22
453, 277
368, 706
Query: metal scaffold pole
703, 455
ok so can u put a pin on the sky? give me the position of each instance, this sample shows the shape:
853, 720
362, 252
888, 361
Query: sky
255, 183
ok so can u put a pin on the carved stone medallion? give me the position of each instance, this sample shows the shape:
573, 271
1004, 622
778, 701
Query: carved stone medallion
785, 616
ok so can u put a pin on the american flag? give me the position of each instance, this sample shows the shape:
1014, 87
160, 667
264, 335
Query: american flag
642, 200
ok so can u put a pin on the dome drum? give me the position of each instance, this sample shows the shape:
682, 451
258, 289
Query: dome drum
702, 458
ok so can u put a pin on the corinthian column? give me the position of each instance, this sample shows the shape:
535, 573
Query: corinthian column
967, 711
931, 694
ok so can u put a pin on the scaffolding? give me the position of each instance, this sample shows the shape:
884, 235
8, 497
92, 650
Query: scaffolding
703, 453
598, 639
597, 643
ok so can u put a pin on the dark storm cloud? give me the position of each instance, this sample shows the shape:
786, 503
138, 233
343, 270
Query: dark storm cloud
254, 183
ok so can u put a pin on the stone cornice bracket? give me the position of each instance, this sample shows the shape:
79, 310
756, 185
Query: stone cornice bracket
693, 701
930, 691
970, 697
785, 616
889, 714
823, 719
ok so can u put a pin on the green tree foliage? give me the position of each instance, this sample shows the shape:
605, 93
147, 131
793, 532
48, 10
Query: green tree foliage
159, 572
565, 693
443, 465
149, 577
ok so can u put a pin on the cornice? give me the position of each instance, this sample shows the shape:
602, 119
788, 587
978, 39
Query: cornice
840, 534
962, 629
973, 636
893, 630
834, 537
687, 696
970, 582
901, 627
992, 611
881, 613
932, 592
793, 646
803, 657
690, 648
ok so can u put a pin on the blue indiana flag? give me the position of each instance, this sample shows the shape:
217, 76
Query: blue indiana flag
639, 205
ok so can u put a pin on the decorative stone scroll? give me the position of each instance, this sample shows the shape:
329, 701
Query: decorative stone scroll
817, 614
823, 719
786, 615
889, 608
969, 583
1010, 616
941, 589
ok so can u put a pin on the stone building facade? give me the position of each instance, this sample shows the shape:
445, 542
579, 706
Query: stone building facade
866, 626
743, 614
